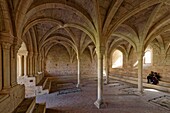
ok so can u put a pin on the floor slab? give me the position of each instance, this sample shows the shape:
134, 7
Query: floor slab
119, 97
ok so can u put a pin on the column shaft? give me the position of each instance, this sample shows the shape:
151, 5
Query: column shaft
13, 66
36, 64
99, 101
78, 72
0, 68
19, 65
31, 64
22, 65
28, 66
107, 68
140, 72
25, 65
6, 65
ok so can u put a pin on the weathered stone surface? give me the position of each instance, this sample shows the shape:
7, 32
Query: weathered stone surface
58, 63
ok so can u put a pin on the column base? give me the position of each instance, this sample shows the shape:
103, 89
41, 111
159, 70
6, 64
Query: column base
6, 87
98, 103
14, 84
78, 85
106, 82
140, 93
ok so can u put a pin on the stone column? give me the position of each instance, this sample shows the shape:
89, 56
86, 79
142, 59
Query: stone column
25, 64
6, 65
40, 63
107, 68
99, 100
43, 65
36, 63
30, 64
19, 65
0, 68
22, 62
140, 72
78, 71
13, 65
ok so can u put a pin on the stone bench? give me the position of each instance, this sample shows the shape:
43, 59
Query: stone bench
26, 106
29, 105
47, 84
39, 108
163, 86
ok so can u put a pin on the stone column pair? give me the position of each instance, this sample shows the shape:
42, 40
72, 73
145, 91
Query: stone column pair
30, 63
22, 64
5, 73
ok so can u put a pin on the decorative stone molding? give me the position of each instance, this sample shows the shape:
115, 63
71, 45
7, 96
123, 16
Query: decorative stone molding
30, 54
6, 37
6, 45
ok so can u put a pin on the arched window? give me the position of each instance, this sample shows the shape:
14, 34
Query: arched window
117, 59
148, 57
21, 60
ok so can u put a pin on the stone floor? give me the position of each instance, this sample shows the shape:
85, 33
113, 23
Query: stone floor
119, 97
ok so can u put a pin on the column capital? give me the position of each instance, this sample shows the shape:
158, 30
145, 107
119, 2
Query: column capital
140, 53
6, 37
101, 50
36, 54
30, 54
6, 45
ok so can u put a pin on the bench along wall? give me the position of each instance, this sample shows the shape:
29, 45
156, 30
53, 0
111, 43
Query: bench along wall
160, 63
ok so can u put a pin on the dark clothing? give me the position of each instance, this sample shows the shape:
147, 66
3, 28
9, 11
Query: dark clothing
149, 77
154, 80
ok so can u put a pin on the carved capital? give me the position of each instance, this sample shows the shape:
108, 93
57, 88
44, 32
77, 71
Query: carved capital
6, 37
6, 45
101, 50
30, 54
36, 54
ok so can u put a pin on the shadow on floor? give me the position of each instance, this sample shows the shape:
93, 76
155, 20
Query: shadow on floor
49, 110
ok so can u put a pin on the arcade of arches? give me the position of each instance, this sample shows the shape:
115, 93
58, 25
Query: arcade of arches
106, 39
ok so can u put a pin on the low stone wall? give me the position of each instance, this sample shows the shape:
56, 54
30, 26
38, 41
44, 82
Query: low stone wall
163, 86
11, 98
31, 88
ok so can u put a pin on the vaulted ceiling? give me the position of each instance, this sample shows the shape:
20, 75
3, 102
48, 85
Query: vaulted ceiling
90, 24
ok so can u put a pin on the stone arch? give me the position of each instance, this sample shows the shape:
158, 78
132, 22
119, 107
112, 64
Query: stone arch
6, 17
127, 39
143, 6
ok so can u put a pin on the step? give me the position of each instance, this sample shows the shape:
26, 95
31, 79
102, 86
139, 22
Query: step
47, 85
39, 108
42, 82
159, 86
26, 106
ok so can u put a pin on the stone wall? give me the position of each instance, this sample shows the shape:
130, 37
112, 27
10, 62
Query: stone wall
58, 63
159, 64
11, 98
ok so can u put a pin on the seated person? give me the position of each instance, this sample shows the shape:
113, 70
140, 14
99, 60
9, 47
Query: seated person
150, 76
157, 75
154, 80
